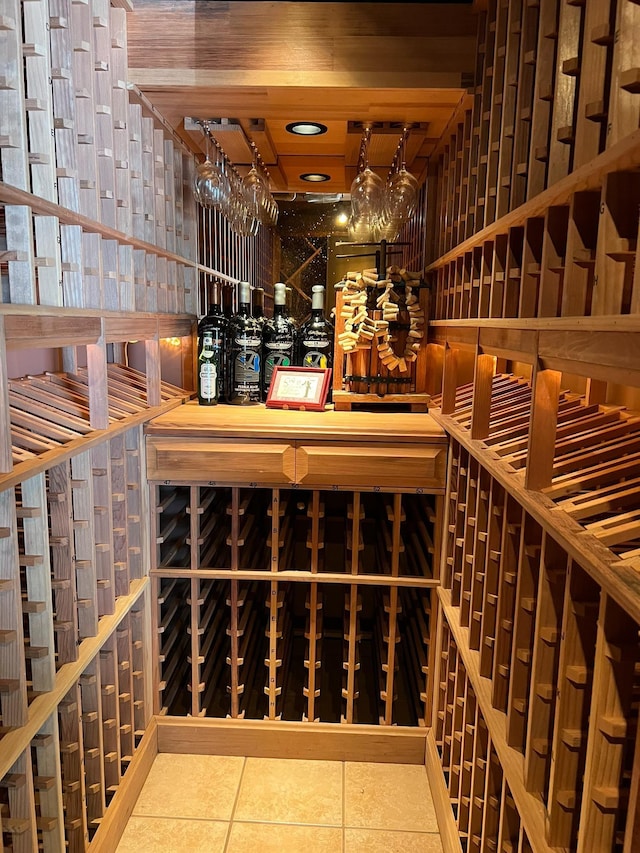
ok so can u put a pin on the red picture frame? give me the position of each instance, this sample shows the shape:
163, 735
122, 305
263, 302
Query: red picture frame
302, 388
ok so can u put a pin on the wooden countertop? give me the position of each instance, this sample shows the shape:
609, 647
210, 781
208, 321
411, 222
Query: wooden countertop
260, 422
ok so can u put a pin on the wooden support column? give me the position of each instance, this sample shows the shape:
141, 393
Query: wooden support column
482, 387
596, 392
542, 428
435, 366
152, 353
6, 461
449, 380
195, 518
98, 387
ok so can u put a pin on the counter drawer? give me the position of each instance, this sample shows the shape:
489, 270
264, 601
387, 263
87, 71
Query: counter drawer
396, 468
230, 462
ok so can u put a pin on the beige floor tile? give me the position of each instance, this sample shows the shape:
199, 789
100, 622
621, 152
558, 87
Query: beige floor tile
385, 841
283, 838
388, 796
201, 786
280, 790
172, 835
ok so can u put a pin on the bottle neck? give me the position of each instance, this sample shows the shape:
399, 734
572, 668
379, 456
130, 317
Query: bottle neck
317, 313
279, 310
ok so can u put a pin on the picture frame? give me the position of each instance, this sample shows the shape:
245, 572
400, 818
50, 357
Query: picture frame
302, 388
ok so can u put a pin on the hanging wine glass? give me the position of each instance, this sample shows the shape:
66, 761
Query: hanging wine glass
202, 172
256, 194
215, 185
401, 192
367, 195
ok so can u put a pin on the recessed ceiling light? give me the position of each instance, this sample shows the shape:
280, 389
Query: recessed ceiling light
306, 128
315, 177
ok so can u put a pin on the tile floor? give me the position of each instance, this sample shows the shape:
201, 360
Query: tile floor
223, 804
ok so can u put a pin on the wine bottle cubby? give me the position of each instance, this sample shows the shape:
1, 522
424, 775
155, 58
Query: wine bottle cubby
260, 530
293, 651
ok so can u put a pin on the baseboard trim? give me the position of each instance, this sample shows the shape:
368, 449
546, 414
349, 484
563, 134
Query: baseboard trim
276, 739
446, 821
116, 816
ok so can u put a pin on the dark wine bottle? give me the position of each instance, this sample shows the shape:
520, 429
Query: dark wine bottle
257, 305
315, 338
212, 347
246, 344
278, 339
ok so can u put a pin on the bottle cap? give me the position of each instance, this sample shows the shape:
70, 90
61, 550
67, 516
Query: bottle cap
279, 293
317, 300
244, 289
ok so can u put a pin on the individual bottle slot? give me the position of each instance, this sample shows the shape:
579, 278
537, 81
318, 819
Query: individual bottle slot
574, 686
214, 650
174, 619
173, 526
70, 732
125, 692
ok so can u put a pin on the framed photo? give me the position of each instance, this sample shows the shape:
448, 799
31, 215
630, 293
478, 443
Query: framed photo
303, 388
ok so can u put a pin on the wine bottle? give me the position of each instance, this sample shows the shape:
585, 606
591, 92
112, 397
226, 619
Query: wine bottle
246, 343
257, 305
315, 339
212, 347
278, 339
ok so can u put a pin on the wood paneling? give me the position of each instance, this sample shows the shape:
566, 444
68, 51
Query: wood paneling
326, 62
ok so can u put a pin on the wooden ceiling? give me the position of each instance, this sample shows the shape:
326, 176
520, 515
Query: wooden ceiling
262, 65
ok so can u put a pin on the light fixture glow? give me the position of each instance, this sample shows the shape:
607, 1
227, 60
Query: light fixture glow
315, 177
342, 219
306, 128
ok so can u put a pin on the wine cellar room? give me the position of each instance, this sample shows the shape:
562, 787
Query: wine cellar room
320, 440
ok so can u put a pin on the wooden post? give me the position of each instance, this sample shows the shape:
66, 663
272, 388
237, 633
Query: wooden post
6, 457
449, 380
542, 428
482, 388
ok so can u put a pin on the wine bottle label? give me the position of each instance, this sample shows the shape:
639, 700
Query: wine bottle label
247, 370
281, 346
248, 342
208, 381
316, 344
281, 355
313, 358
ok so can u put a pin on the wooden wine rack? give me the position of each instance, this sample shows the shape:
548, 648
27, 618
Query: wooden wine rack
551, 660
297, 600
554, 92
533, 366
254, 624
98, 248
